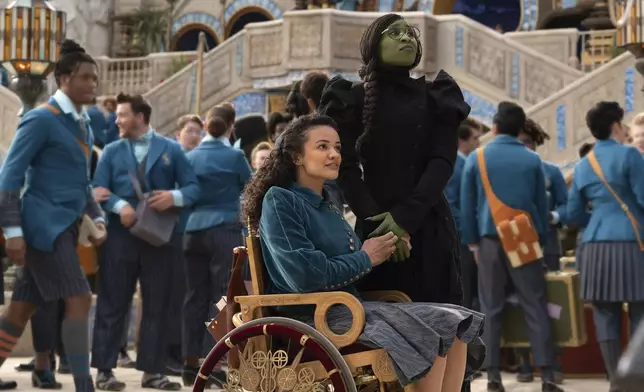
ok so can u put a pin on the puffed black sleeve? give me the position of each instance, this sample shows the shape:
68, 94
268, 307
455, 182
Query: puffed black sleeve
342, 101
447, 110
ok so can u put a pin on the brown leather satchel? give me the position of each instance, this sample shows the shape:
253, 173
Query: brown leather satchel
223, 323
514, 227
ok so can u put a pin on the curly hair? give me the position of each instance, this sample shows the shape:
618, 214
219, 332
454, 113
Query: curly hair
536, 133
279, 167
369, 47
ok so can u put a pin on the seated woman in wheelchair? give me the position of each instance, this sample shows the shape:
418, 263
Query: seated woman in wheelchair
309, 247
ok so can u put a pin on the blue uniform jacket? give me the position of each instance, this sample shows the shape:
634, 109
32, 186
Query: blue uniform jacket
623, 168
222, 172
47, 158
453, 189
307, 245
99, 124
517, 178
166, 167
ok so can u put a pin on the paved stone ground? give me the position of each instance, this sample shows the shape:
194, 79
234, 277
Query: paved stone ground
133, 380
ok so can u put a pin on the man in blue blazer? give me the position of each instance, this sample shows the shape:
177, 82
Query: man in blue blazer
508, 164
50, 156
169, 182
99, 124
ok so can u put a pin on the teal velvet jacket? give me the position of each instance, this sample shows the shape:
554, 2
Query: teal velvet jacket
307, 244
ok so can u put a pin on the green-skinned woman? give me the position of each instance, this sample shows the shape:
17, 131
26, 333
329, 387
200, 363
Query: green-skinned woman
399, 142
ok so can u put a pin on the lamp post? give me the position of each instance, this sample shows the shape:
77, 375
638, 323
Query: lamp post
31, 31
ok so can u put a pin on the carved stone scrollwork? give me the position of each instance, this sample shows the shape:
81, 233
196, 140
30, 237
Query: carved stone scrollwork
486, 61
261, 371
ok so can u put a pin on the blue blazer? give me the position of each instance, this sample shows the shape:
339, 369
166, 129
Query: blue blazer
623, 168
99, 124
222, 172
307, 245
166, 166
508, 163
453, 189
47, 158
557, 191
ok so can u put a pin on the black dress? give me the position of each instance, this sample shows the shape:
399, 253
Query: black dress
402, 168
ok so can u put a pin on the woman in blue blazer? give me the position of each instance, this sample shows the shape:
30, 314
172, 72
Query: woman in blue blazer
212, 231
611, 255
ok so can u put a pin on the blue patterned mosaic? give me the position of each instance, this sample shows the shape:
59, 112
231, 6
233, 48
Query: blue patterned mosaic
239, 57
530, 10
629, 90
459, 46
568, 3
514, 81
237, 5
482, 109
202, 18
427, 6
561, 127
250, 103
386, 5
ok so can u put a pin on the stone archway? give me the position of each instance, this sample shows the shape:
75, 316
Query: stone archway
187, 39
241, 18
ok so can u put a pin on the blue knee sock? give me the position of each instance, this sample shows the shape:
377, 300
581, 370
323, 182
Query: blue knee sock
75, 336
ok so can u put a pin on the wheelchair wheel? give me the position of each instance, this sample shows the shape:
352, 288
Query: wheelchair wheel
272, 370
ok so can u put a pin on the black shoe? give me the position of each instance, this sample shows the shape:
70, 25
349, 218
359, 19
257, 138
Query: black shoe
550, 387
173, 369
44, 379
8, 385
106, 381
495, 386
217, 377
63, 367
559, 378
125, 361
27, 367
525, 377
477, 375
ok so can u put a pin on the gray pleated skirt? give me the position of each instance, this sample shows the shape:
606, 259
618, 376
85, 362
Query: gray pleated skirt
415, 334
611, 271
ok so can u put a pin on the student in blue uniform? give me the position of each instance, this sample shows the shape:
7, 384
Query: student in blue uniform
99, 123
611, 256
189, 128
308, 247
112, 132
169, 182
532, 137
212, 231
508, 163
50, 155
468, 141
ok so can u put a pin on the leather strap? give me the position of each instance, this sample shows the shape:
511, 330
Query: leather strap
500, 211
594, 164
82, 143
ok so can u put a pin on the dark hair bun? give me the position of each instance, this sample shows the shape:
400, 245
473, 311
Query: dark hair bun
70, 46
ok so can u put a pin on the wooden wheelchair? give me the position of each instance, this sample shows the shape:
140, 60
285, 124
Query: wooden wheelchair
277, 354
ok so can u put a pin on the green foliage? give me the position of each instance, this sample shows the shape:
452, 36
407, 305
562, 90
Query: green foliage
149, 28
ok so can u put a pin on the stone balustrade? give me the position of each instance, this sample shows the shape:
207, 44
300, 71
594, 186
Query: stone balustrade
9, 107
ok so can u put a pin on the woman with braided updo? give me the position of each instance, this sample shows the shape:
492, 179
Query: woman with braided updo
399, 141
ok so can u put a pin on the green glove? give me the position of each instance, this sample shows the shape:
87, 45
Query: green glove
389, 225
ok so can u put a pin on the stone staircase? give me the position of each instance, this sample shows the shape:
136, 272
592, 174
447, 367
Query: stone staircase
529, 68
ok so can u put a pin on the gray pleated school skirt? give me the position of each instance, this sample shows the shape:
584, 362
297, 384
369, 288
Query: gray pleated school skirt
415, 334
611, 271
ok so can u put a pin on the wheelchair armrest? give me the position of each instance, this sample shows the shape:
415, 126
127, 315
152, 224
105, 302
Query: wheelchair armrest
322, 302
385, 296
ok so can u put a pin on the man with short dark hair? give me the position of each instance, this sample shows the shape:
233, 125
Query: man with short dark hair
160, 166
508, 163
312, 87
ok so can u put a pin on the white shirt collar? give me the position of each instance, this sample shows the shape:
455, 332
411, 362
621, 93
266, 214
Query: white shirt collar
67, 106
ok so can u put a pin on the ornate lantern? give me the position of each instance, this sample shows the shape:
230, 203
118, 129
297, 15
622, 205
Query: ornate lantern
30, 34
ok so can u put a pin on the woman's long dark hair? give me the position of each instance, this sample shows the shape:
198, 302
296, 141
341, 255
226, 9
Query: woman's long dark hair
279, 167
369, 47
